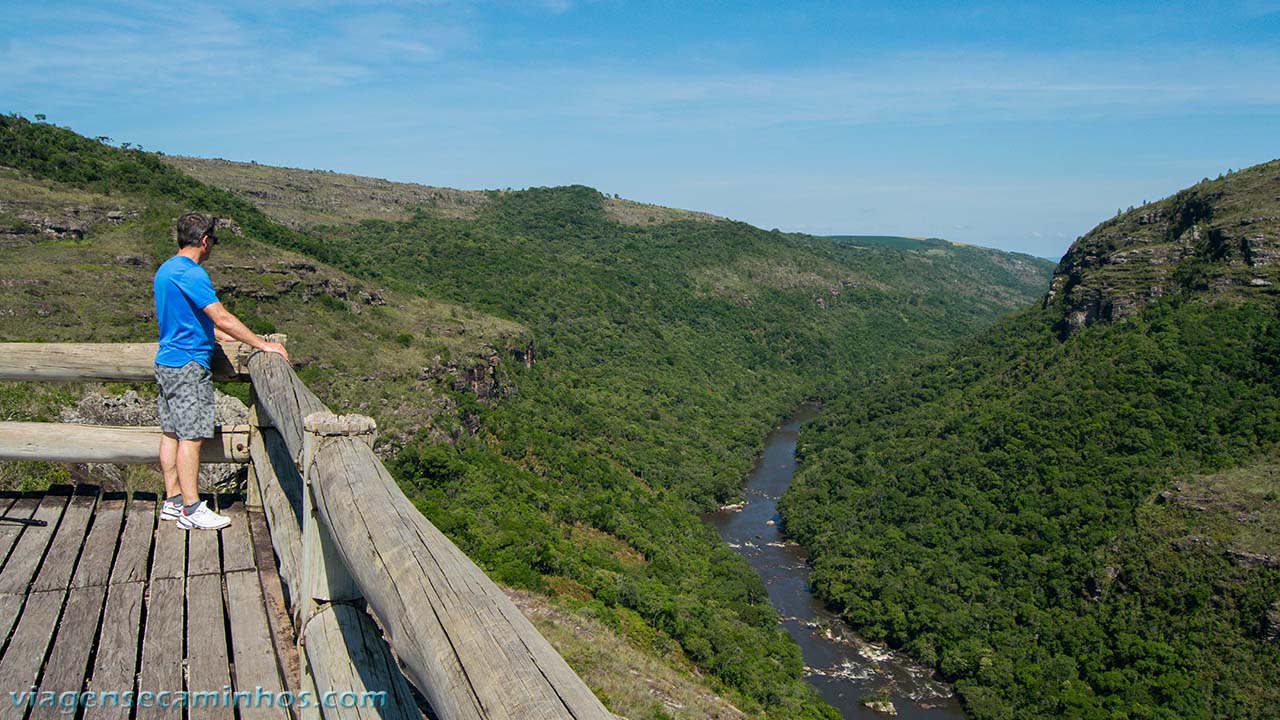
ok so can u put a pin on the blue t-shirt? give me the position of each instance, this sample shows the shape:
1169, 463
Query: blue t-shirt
183, 290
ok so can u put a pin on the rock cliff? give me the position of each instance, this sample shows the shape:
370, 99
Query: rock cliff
1220, 236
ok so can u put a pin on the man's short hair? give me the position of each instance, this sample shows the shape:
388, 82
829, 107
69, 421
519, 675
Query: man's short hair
193, 226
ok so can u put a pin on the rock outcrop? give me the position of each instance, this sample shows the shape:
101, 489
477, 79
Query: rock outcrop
478, 376
1218, 235
270, 280
131, 409
68, 223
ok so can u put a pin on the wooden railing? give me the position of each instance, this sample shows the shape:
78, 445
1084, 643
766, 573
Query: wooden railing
347, 542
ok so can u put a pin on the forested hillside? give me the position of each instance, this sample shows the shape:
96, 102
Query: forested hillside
637, 364
663, 354
1075, 514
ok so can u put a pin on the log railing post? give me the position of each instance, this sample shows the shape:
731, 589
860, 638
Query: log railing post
340, 646
325, 579
252, 494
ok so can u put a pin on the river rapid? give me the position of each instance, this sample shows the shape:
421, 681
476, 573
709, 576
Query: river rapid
843, 667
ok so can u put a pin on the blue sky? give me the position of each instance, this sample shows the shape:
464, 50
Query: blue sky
1012, 125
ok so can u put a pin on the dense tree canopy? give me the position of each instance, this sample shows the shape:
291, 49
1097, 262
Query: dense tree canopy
991, 512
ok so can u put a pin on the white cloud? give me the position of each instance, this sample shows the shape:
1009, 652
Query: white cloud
924, 87
149, 48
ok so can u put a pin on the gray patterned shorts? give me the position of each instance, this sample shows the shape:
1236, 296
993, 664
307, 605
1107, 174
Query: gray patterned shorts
186, 400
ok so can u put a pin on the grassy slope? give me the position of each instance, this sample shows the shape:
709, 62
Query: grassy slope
635, 683
98, 289
1214, 237
307, 198
996, 510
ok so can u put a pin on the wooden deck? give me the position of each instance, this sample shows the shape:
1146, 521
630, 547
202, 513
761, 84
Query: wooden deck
105, 597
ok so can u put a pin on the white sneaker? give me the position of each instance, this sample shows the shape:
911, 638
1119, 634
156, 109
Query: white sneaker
170, 511
202, 518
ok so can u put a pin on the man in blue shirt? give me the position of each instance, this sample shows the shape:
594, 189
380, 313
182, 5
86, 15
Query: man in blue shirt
191, 319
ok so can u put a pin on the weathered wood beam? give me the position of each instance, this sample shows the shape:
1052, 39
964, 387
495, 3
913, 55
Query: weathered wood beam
57, 442
276, 480
283, 401
325, 579
127, 362
462, 641
347, 656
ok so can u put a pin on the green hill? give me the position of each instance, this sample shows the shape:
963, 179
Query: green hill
83, 228
893, 241
655, 348
1075, 514
307, 198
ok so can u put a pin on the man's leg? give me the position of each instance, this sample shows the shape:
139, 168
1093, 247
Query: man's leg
187, 407
169, 464
188, 457
195, 514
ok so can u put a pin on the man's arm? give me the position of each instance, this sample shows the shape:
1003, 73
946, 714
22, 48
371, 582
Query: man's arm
228, 325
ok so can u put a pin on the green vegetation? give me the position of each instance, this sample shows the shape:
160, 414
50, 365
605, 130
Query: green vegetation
994, 509
52, 153
893, 241
663, 353
634, 683
361, 346
306, 198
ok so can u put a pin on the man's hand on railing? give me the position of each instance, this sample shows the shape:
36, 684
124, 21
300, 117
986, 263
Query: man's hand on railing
274, 347
226, 323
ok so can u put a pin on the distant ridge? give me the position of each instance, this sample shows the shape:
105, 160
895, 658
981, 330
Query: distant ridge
902, 242
899, 242
307, 198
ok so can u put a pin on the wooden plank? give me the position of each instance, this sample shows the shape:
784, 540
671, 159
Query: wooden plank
64, 442
116, 662
10, 607
203, 556
462, 641
162, 638
68, 663
202, 553
23, 658
283, 399
9, 531
251, 643
170, 557
237, 548
132, 362
29, 551
280, 487
64, 551
134, 554
274, 601
207, 666
99, 550
346, 654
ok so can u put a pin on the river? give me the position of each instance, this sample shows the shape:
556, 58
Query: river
843, 667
